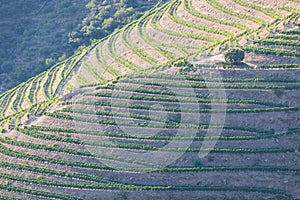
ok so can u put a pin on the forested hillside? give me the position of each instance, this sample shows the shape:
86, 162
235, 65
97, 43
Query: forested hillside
35, 34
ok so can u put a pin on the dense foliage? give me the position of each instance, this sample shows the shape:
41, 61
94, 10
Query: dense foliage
234, 55
37, 34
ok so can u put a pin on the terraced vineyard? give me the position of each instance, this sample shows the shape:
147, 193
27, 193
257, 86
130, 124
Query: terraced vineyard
152, 112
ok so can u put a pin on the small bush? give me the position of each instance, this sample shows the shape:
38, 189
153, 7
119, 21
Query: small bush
234, 56
210, 158
197, 163
278, 92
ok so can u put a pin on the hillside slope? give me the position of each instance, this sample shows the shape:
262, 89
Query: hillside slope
31, 32
37, 34
168, 129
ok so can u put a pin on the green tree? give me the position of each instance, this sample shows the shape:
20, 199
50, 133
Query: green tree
108, 23
127, 3
49, 61
234, 56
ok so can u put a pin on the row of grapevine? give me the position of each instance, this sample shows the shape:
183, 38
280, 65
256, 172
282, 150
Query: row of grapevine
111, 47
34, 131
130, 45
285, 37
213, 83
270, 51
97, 75
104, 64
159, 46
266, 11
188, 7
170, 107
123, 187
219, 6
161, 76
155, 24
37, 192
172, 14
280, 42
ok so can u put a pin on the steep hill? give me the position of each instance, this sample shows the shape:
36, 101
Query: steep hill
152, 111
31, 32
35, 34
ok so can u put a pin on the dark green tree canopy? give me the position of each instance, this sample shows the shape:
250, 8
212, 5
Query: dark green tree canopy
35, 34
234, 55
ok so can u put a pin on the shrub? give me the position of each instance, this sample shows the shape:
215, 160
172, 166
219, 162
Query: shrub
197, 163
234, 55
210, 158
278, 92
40, 177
